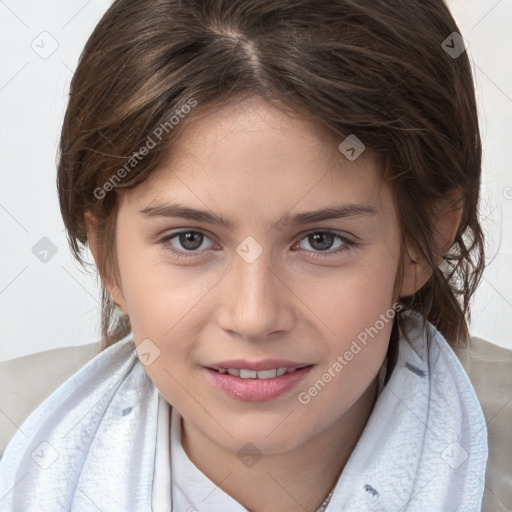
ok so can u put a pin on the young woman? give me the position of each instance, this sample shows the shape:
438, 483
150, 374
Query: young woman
281, 200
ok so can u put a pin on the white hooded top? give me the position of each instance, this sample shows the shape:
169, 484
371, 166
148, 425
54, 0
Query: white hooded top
103, 442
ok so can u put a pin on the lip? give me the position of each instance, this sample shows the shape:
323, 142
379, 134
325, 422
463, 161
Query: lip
264, 364
256, 390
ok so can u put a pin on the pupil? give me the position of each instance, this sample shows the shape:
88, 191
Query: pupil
187, 240
322, 236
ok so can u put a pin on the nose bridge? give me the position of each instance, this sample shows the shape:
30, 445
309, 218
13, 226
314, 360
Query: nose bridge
257, 302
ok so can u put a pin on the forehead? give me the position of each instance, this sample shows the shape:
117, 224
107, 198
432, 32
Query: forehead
253, 154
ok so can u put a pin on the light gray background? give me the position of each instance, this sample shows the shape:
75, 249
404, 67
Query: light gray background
55, 304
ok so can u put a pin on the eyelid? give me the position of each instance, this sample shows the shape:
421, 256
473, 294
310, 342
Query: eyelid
173, 234
347, 243
342, 234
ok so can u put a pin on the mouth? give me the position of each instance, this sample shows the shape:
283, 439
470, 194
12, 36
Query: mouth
252, 385
245, 373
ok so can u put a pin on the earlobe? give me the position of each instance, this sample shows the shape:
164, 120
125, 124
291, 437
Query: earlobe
447, 219
94, 246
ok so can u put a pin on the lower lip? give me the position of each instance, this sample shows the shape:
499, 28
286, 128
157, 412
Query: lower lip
256, 390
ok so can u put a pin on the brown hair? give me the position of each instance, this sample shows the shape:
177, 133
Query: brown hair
376, 69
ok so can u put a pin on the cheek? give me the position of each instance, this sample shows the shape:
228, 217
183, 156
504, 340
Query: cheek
359, 315
157, 293
160, 303
353, 297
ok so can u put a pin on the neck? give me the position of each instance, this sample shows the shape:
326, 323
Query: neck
293, 481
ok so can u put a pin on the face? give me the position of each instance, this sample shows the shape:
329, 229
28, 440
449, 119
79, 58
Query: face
272, 285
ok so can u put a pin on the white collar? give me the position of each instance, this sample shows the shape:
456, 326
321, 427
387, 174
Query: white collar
191, 489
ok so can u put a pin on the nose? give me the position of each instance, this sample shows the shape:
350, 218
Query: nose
256, 300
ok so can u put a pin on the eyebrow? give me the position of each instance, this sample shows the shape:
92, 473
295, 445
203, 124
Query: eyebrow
331, 212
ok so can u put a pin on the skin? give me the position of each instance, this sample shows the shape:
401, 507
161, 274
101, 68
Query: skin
254, 164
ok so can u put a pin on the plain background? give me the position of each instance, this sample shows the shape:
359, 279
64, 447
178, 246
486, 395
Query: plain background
53, 304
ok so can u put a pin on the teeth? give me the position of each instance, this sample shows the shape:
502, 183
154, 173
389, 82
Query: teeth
248, 374
265, 374
252, 374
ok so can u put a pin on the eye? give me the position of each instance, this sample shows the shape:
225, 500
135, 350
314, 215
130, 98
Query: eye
190, 242
322, 241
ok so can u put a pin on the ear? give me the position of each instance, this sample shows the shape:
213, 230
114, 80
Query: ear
447, 219
115, 292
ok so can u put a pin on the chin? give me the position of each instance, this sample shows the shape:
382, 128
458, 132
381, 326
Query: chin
261, 441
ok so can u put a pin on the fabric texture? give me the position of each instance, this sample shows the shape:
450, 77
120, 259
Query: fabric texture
92, 444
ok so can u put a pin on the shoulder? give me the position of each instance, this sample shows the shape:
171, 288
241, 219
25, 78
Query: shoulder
27, 381
489, 368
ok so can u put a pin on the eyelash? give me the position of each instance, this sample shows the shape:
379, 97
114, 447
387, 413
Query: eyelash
348, 244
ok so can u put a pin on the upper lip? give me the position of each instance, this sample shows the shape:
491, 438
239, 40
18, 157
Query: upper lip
264, 364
